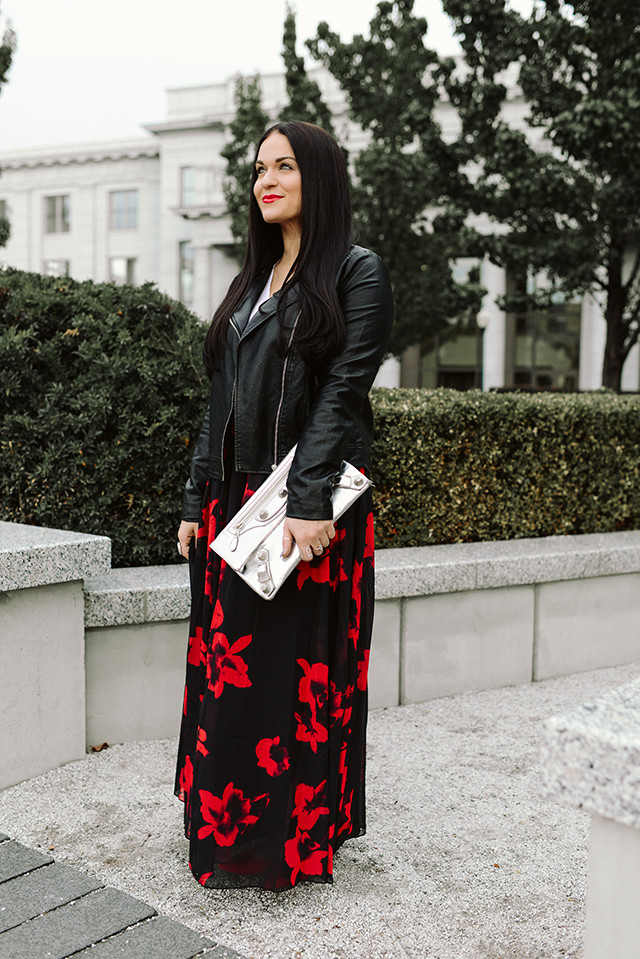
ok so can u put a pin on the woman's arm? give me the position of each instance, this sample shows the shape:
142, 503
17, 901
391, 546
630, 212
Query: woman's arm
199, 474
367, 304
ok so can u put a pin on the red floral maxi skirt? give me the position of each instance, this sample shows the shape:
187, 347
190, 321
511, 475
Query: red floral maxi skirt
271, 761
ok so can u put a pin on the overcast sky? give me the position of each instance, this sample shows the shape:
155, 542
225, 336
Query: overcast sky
97, 69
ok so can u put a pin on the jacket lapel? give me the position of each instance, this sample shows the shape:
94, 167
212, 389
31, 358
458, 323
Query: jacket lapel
241, 315
267, 310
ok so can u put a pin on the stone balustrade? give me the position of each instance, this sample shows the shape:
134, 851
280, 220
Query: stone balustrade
591, 759
448, 619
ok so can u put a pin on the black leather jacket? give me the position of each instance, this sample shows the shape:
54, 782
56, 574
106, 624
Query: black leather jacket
277, 401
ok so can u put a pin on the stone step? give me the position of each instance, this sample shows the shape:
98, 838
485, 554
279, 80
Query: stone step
159, 938
16, 860
40, 891
52, 911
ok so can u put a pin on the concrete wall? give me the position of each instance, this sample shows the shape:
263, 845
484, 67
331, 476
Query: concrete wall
42, 675
448, 619
591, 760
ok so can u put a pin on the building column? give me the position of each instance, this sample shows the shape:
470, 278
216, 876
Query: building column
495, 340
201, 282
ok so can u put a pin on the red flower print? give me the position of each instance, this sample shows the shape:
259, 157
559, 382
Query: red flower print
211, 577
224, 665
248, 493
186, 778
203, 878
368, 543
342, 768
230, 816
197, 648
272, 757
202, 739
307, 805
184, 701
309, 729
328, 568
314, 685
345, 810
340, 707
356, 601
218, 615
208, 525
304, 856
363, 670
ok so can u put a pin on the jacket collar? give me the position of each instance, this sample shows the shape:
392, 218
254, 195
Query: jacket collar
266, 311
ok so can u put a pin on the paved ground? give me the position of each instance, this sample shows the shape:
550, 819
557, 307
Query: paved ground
462, 859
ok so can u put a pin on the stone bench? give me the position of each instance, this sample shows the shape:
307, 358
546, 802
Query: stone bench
591, 759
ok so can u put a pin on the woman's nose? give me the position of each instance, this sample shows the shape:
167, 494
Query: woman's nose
269, 177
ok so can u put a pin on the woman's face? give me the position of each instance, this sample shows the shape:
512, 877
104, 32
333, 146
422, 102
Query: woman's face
278, 188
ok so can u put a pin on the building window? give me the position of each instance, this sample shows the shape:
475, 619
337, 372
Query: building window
55, 268
544, 352
453, 357
122, 269
58, 214
123, 210
186, 273
187, 186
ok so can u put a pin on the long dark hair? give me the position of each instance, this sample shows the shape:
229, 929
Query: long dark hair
326, 235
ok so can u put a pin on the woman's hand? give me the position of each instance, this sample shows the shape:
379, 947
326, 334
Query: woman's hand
311, 536
186, 533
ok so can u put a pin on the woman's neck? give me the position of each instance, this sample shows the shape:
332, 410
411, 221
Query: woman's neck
284, 266
291, 246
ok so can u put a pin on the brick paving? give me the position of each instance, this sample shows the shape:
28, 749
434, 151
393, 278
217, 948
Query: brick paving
52, 911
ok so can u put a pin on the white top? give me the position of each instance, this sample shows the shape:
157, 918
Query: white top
264, 296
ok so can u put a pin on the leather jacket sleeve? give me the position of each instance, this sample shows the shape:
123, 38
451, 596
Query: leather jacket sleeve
195, 485
366, 299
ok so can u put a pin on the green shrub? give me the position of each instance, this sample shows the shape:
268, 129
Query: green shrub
102, 391
453, 467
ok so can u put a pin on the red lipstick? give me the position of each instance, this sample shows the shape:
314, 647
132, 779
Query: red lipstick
270, 197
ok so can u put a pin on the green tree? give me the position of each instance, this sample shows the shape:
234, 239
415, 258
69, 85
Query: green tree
564, 179
246, 128
304, 103
7, 49
304, 97
409, 197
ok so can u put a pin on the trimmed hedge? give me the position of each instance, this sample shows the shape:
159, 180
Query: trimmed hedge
452, 467
102, 391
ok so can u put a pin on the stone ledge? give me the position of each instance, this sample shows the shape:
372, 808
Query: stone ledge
35, 556
144, 594
161, 593
591, 756
424, 570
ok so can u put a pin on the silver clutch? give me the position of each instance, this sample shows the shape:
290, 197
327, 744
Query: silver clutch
251, 543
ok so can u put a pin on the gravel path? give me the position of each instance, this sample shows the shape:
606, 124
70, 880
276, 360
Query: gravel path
462, 859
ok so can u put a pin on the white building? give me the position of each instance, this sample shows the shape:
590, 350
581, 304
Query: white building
153, 209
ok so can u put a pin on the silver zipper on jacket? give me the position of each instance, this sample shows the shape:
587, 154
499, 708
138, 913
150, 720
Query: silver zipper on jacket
279, 410
233, 403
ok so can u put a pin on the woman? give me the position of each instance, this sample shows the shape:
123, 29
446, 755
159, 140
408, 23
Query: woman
272, 745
